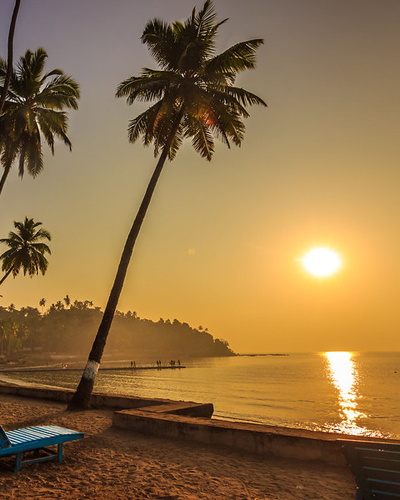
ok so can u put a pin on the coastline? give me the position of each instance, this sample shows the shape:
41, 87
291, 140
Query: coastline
80, 368
294, 405
122, 464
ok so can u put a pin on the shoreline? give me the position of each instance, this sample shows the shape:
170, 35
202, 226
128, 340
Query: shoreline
192, 421
7, 380
80, 369
113, 463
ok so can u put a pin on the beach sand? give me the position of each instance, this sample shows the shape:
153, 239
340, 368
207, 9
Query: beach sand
115, 464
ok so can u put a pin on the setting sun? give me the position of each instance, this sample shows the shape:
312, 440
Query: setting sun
321, 262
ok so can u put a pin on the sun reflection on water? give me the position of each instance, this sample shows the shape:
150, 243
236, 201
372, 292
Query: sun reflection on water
344, 376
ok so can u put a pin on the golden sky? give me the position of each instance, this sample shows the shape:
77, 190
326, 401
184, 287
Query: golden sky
221, 242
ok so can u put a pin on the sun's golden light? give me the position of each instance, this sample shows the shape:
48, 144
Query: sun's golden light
321, 262
344, 375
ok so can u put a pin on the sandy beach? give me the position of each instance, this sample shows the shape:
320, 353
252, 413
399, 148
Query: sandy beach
114, 464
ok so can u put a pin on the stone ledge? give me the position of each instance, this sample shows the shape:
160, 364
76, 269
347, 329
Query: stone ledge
259, 439
185, 408
114, 401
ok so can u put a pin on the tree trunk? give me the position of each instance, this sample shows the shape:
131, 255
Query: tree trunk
6, 275
81, 397
7, 169
10, 55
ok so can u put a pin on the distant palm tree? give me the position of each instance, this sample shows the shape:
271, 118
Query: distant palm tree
42, 303
195, 98
26, 249
67, 301
34, 111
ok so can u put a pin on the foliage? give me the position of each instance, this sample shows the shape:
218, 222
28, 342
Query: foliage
26, 249
193, 86
33, 111
68, 331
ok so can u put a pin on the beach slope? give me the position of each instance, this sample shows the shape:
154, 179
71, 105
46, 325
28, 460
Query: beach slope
116, 464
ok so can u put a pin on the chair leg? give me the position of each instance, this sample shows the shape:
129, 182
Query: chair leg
60, 452
18, 462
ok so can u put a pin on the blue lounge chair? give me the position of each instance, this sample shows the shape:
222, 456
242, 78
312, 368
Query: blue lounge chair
375, 467
35, 440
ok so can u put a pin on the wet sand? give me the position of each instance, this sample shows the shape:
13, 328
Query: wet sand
111, 463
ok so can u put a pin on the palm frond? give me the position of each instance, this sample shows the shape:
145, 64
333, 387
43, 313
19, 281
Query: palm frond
34, 155
53, 72
143, 125
159, 38
151, 85
62, 92
202, 139
245, 97
237, 58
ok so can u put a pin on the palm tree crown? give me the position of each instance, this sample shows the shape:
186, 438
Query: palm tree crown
34, 111
26, 249
194, 87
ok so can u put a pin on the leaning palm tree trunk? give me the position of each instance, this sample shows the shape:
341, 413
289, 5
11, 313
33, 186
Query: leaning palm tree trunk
5, 175
10, 54
82, 395
6, 275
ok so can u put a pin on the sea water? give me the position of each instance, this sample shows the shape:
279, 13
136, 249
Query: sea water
352, 393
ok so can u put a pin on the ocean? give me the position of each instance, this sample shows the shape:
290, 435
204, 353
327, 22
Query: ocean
351, 393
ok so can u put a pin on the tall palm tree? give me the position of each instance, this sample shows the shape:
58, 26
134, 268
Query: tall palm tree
195, 98
33, 111
26, 249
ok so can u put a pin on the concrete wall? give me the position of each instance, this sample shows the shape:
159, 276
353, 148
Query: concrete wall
260, 439
114, 401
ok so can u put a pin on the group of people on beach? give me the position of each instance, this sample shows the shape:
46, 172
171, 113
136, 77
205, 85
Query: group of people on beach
159, 363
172, 363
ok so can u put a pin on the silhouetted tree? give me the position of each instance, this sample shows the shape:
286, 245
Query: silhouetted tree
33, 111
42, 303
196, 99
26, 249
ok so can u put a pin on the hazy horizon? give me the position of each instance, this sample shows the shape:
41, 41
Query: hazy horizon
221, 241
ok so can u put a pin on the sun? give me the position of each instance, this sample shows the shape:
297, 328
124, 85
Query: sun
321, 262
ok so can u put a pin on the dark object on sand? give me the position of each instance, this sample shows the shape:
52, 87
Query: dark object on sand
375, 467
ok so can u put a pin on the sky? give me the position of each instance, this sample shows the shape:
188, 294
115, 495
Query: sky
221, 243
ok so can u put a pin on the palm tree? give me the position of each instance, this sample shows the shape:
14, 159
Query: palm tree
10, 51
33, 111
26, 249
42, 303
195, 98
67, 301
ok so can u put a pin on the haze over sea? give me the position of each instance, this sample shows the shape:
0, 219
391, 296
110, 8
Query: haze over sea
353, 393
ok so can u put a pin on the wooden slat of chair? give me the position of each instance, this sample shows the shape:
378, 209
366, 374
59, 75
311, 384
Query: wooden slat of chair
376, 469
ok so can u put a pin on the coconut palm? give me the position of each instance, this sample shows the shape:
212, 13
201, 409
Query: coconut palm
33, 112
42, 303
26, 249
195, 98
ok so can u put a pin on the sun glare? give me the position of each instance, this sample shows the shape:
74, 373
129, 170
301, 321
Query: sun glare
321, 262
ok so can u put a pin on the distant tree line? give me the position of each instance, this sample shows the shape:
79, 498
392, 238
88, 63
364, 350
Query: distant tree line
66, 328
